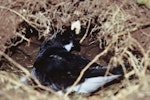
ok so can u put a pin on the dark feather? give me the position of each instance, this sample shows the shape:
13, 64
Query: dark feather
61, 67
58, 68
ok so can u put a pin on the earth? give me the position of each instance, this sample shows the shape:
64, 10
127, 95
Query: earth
14, 12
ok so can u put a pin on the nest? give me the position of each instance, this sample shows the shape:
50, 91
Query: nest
111, 32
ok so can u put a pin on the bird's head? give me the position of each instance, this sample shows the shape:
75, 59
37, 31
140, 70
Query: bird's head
66, 39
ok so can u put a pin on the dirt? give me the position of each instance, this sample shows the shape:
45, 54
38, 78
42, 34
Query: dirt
8, 27
143, 37
25, 55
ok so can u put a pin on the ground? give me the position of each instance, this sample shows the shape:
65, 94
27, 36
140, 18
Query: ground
121, 28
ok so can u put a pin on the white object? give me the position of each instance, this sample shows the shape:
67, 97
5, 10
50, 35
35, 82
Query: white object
68, 46
76, 25
92, 84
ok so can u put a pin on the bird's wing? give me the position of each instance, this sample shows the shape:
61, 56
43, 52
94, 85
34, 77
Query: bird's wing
77, 63
61, 67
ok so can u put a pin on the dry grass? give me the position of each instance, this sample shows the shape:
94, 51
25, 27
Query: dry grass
116, 20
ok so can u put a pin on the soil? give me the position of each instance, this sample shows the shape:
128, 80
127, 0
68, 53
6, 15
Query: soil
25, 55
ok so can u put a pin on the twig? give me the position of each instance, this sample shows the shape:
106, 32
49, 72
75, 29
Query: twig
17, 83
138, 45
127, 91
15, 63
13, 81
96, 58
44, 87
18, 14
145, 55
23, 37
15, 12
27, 75
49, 89
14, 44
86, 33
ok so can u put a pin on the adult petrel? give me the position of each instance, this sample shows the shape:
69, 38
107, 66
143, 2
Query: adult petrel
58, 68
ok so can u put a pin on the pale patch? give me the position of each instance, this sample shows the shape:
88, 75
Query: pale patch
61, 93
68, 46
24, 80
33, 74
76, 25
92, 84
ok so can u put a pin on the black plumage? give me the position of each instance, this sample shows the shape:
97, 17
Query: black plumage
58, 68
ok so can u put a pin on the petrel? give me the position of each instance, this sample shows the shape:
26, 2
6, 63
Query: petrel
58, 68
